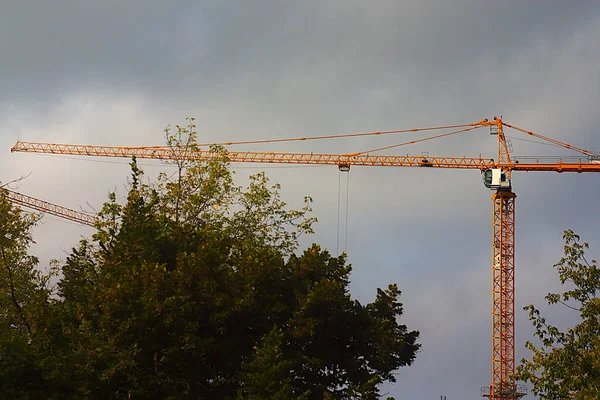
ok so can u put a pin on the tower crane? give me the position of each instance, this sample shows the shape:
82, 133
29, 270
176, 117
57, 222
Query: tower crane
496, 176
49, 208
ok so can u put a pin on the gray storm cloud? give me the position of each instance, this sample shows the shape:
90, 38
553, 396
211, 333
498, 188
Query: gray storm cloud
114, 73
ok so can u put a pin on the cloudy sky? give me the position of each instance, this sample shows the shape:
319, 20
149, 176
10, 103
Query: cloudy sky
118, 73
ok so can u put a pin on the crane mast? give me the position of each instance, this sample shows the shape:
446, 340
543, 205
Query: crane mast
496, 176
503, 281
503, 299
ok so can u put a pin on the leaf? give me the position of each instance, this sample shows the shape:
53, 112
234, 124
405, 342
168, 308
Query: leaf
566, 364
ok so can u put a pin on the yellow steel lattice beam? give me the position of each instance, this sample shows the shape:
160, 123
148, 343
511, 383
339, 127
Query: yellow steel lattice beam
49, 208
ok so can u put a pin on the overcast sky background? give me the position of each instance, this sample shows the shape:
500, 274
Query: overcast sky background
118, 73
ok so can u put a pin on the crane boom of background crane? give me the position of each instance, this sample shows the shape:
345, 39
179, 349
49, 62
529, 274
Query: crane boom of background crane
49, 208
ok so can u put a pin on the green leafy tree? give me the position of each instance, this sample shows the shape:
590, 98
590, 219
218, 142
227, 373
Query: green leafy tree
266, 375
23, 296
195, 288
567, 363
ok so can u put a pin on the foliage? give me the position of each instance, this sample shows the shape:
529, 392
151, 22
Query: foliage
22, 300
567, 364
194, 288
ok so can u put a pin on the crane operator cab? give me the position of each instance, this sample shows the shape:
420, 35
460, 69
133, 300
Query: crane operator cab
495, 179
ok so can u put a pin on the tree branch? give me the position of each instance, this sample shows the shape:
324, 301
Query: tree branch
12, 291
7, 184
566, 305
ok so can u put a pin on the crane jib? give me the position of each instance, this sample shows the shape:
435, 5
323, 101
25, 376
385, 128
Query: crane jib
162, 152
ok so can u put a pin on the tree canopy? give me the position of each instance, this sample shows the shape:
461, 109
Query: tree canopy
566, 364
193, 288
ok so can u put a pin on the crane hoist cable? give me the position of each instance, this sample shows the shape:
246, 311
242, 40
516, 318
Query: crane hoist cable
347, 210
339, 210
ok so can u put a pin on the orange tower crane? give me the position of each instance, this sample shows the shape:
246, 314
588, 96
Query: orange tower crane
496, 176
49, 208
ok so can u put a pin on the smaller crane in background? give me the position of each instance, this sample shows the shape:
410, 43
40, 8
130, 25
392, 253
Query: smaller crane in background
50, 208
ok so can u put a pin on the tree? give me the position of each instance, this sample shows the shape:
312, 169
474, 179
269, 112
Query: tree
195, 288
22, 301
567, 363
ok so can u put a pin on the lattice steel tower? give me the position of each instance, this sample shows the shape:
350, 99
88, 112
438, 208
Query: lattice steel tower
503, 278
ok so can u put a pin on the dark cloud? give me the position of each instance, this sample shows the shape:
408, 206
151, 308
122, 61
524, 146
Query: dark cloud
284, 55
118, 73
